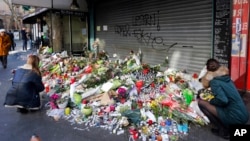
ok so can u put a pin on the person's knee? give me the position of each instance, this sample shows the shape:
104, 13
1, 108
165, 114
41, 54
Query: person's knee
202, 108
201, 103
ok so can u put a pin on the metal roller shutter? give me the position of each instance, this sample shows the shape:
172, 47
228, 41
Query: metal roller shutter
154, 25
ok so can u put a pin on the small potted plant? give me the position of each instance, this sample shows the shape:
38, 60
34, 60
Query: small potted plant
87, 110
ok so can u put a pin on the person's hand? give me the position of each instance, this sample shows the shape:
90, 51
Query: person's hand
205, 94
206, 97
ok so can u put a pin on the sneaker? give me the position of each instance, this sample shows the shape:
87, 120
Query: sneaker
35, 138
215, 131
33, 110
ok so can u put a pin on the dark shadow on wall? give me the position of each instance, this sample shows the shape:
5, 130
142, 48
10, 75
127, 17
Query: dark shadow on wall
246, 99
240, 84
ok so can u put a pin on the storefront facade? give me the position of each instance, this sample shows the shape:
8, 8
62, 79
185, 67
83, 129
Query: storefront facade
240, 55
201, 29
185, 32
153, 26
69, 31
58, 25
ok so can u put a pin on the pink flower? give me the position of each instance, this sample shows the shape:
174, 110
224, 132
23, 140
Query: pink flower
122, 91
54, 96
53, 105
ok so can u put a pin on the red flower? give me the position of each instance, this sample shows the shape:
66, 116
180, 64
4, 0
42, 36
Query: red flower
171, 78
65, 76
72, 80
152, 85
123, 100
195, 75
181, 81
162, 87
84, 101
139, 103
88, 69
134, 133
150, 122
139, 83
167, 103
145, 71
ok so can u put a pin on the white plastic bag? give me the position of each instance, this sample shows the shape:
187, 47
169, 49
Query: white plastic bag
194, 105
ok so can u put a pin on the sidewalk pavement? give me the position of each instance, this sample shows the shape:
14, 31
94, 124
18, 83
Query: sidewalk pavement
19, 48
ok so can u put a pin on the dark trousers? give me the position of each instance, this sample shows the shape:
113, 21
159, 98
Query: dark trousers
3, 59
24, 44
13, 45
223, 129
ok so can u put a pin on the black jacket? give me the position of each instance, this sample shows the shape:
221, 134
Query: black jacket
25, 89
24, 35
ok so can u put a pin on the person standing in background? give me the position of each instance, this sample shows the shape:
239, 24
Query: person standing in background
24, 38
12, 40
5, 43
29, 38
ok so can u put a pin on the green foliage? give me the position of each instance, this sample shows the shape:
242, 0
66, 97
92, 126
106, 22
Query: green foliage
77, 98
26, 7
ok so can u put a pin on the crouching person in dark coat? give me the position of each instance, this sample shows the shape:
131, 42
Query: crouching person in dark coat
227, 107
26, 86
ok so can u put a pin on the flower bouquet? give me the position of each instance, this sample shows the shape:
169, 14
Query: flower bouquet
145, 68
53, 98
182, 84
62, 102
122, 94
205, 94
57, 101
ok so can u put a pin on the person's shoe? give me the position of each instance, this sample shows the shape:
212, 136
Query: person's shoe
33, 110
221, 133
5, 66
22, 110
215, 131
225, 134
35, 138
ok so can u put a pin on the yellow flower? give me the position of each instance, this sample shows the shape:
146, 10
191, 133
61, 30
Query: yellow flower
159, 99
153, 104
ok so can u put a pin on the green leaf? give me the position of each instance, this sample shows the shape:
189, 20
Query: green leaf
26, 7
